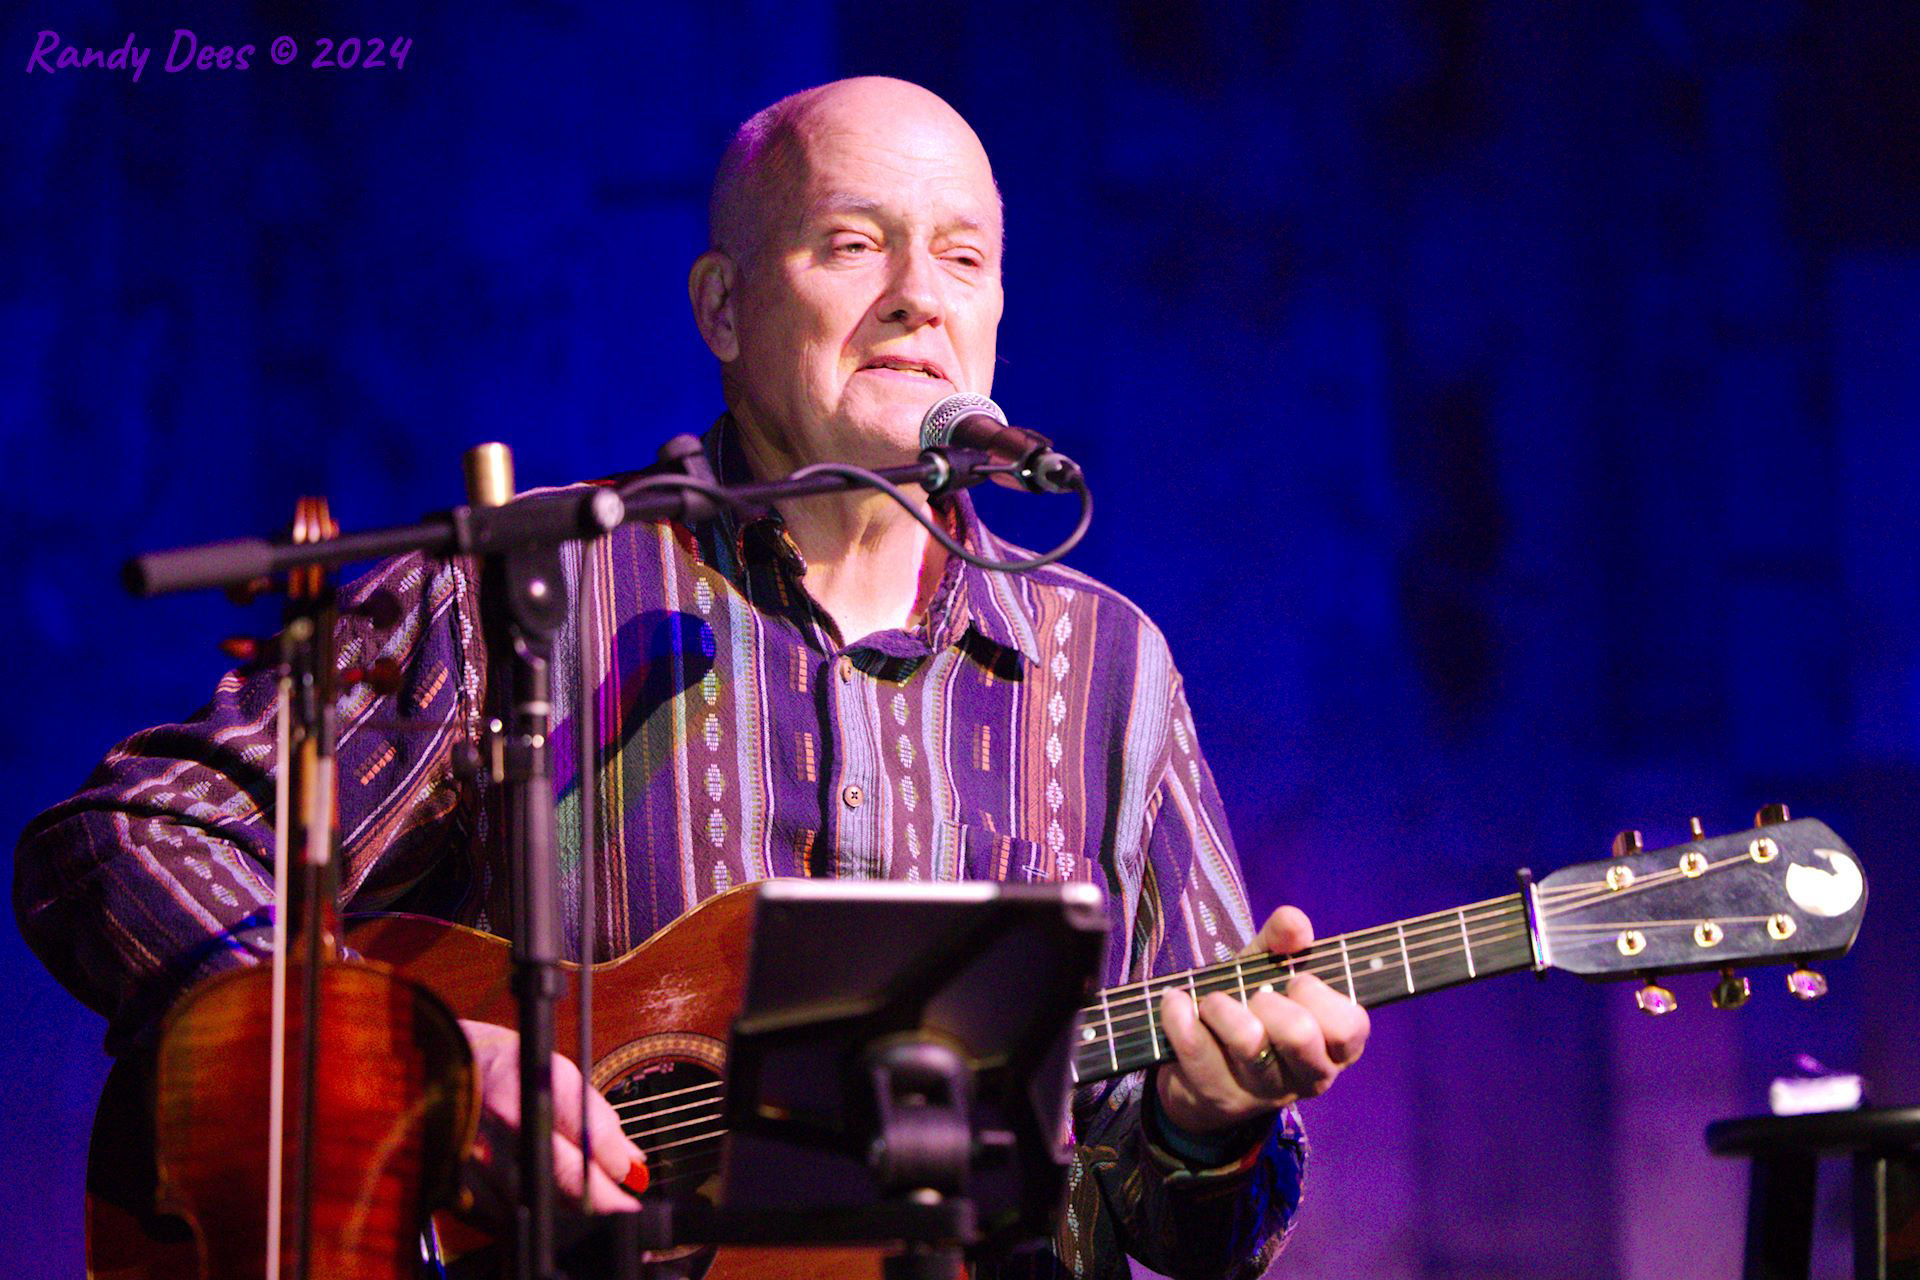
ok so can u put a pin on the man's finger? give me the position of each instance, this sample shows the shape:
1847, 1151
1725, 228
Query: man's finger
1286, 931
1305, 1066
1200, 1058
607, 1197
1243, 1040
613, 1151
1343, 1024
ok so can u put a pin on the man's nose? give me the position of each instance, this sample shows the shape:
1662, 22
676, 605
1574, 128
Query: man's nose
914, 296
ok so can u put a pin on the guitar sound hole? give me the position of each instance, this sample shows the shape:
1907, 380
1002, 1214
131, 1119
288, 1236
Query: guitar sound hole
671, 1108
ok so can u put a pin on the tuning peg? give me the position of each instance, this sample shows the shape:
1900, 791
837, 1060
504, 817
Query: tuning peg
1625, 843
1699, 832
247, 592
1732, 991
382, 677
240, 648
1770, 815
1805, 984
1655, 999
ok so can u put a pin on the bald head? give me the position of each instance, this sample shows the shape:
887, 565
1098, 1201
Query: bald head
763, 176
854, 274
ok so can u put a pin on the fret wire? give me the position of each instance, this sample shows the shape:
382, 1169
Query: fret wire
1509, 908
1467, 943
1406, 962
1146, 996
1347, 964
1107, 1009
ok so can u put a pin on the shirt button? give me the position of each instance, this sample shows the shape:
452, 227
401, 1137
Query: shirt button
853, 797
844, 665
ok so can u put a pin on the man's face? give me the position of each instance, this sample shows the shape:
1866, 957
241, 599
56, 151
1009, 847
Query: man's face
876, 288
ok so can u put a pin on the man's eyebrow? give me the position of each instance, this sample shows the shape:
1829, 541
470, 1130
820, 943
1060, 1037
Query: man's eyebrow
841, 202
847, 202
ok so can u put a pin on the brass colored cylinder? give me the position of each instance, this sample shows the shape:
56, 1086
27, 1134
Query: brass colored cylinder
489, 475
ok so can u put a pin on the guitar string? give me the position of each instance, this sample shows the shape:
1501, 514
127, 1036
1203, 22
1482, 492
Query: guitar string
1559, 900
1217, 978
1663, 924
647, 1099
1414, 925
642, 1110
1433, 922
1126, 996
1559, 908
1128, 1043
1322, 960
1599, 890
664, 1111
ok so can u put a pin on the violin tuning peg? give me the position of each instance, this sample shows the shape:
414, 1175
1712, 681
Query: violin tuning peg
1625, 843
240, 648
1655, 999
1805, 984
1770, 815
249, 591
1732, 991
1697, 831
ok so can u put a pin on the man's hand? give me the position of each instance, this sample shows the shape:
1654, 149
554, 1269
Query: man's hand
1236, 1061
496, 1060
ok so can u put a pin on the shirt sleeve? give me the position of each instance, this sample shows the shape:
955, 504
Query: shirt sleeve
1130, 1191
159, 873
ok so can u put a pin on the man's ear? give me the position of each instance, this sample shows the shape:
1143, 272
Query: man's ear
710, 287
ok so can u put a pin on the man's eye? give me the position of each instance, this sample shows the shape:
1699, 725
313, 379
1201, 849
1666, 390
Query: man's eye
851, 248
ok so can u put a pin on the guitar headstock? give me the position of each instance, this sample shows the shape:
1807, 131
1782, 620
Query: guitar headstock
1783, 892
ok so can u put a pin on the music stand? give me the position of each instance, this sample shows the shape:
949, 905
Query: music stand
898, 1073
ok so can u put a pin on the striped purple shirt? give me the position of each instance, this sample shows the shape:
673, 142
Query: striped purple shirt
1031, 728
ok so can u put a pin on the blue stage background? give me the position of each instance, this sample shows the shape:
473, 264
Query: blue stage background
1507, 409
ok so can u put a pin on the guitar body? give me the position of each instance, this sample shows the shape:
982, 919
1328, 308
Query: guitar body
661, 1017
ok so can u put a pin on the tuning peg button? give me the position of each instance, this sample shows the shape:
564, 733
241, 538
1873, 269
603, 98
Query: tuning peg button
1655, 999
1732, 991
1805, 984
1625, 843
1770, 815
1698, 832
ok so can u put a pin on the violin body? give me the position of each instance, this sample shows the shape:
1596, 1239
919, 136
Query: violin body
177, 1169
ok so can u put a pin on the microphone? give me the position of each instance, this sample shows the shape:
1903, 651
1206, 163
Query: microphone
967, 421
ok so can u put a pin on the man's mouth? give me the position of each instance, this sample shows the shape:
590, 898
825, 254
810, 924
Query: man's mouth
904, 364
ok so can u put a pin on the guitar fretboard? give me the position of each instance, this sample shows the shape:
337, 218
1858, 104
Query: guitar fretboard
1121, 1031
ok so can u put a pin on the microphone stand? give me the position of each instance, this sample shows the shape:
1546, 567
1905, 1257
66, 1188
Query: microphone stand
524, 604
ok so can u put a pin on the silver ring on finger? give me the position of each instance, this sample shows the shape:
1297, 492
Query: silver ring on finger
1263, 1057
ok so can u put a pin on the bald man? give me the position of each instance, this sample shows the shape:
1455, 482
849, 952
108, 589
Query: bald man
816, 691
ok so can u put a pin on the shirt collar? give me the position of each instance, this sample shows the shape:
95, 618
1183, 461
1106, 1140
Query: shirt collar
967, 598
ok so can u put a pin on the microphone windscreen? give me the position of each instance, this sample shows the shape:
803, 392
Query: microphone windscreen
936, 429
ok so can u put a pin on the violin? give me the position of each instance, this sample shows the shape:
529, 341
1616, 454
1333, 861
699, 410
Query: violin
309, 1115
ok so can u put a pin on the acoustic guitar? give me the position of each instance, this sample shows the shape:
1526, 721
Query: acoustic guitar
1784, 892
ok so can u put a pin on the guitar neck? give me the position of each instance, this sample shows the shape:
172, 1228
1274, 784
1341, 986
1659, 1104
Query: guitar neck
1121, 1032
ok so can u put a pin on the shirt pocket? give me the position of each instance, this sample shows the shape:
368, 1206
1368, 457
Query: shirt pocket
978, 854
